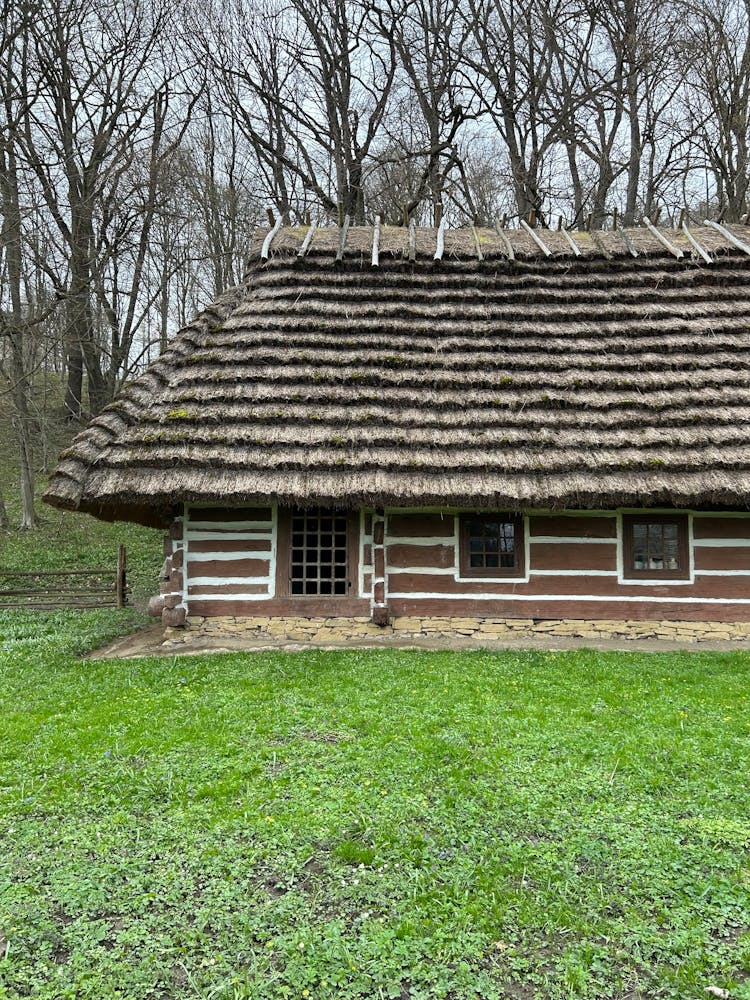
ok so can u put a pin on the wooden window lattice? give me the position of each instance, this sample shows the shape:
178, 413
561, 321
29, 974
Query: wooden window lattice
492, 546
319, 545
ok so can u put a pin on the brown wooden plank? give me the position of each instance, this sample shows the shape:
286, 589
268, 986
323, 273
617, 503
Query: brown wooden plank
120, 579
572, 556
42, 574
573, 526
227, 588
58, 592
55, 606
421, 555
248, 544
228, 567
228, 514
721, 527
379, 561
579, 585
723, 557
420, 526
299, 606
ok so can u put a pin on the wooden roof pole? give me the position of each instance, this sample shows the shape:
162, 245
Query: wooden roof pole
696, 245
342, 240
412, 241
571, 242
308, 239
675, 251
628, 242
440, 244
478, 248
537, 239
376, 242
266, 248
504, 240
728, 236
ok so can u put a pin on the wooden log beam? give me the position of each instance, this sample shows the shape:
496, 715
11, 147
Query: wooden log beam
440, 242
571, 242
675, 251
504, 240
376, 242
477, 245
536, 238
729, 237
696, 245
307, 240
342, 239
266, 248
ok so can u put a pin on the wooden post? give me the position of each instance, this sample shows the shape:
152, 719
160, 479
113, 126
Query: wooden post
379, 606
121, 588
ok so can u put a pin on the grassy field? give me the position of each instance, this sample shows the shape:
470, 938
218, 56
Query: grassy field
360, 824
370, 824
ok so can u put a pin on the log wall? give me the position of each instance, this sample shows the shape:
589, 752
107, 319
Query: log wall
573, 569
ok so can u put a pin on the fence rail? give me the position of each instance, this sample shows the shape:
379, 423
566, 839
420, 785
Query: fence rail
99, 587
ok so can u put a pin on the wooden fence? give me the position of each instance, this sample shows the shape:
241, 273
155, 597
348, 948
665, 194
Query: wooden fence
66, 588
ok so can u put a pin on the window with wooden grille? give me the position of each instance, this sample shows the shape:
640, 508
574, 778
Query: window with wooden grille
492, 545
319, 553
655, 546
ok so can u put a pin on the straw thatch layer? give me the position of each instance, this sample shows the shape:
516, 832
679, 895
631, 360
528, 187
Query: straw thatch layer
590, 381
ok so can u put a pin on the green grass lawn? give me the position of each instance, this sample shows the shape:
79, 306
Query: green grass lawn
370, 824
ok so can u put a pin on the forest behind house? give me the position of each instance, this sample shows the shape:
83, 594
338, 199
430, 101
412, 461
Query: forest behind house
142, 141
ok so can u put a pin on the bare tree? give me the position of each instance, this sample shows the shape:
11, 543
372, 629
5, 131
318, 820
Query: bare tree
717, 43
103, 111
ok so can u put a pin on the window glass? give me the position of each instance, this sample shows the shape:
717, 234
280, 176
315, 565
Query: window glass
318, 553
493, 543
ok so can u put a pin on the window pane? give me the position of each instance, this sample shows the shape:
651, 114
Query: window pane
318, 554
656, 546
491, 543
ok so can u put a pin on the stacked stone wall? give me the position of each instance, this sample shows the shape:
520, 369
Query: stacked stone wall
481, 631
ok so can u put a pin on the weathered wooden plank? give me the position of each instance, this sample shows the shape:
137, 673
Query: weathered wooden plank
571, 556
401, 555
724, 557
721, 527
420, 526
573, 526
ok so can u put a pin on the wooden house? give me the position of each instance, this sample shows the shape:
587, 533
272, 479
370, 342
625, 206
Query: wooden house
388, 427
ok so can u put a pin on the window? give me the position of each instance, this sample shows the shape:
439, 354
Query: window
492, 545
317, 553
655, 546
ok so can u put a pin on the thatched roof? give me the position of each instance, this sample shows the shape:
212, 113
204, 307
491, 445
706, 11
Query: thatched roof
617, 377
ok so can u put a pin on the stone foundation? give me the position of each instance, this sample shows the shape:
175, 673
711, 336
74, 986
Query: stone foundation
478, 631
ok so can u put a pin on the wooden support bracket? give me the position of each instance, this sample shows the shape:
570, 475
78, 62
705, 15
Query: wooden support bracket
266, 248
440, 242
342, 240
675, 251
696, 245
537, 239
376, 243
307, 240
730, 237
